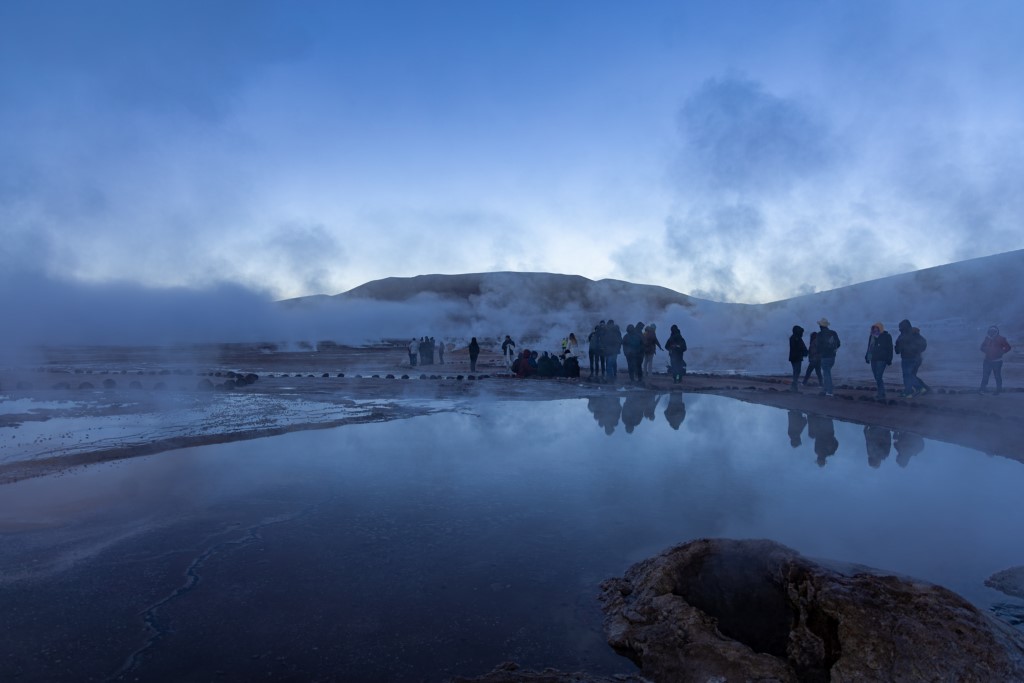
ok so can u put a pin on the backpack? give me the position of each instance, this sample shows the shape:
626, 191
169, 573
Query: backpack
828, 342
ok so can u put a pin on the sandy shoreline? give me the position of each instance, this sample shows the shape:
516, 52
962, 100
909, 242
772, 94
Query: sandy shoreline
324, 389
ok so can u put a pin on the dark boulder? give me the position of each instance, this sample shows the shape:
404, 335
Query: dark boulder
757, 610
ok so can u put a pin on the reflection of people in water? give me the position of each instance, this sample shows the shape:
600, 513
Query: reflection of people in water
632, 412
675, 411
823, 431
796, 427
878, 441
606, 411
907, 445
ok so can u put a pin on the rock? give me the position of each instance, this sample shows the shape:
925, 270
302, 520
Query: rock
1009, 581
756, 610
509, 672
109, 384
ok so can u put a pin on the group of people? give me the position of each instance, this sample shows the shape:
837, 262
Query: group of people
820, 352
639, 344
421, 351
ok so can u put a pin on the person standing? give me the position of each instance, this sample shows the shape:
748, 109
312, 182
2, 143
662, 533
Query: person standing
797, 353
633, 347
828, 343
414, 350
910, 346
879, 356
994, 346
440, 353
813, 359
508, 350
611, 344
474, 353
651, 346
594, 349
676, 347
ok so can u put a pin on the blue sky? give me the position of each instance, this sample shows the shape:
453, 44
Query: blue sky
742, 151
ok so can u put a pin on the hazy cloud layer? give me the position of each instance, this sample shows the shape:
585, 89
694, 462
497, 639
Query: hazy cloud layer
733, 150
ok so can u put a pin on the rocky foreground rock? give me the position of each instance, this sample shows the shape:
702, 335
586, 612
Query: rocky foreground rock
723, 610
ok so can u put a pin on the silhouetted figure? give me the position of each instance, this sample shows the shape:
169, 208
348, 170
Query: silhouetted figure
440, 353
595, 351
675, 411
910, 346
633, 349
813, 359
611, 345
522, 367
907, 445
606, 411
797, 353
878, 441
414, 350
676, 347
994, 346
474, 353
828, 344
823, 431
508, 351
879, 356
797, 422
632, 412
651, 346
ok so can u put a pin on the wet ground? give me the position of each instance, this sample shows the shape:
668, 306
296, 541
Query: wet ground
401, 529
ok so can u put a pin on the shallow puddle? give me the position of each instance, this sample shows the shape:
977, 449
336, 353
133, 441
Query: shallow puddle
423, 548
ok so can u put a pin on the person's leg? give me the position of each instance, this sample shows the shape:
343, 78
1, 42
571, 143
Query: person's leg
639, 360
878, 370
907, 367
810, 369
997, 370
826, 371
986, 372
796, 373
919, 385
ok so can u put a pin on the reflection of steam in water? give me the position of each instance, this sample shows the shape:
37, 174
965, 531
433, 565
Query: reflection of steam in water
878, 441
675, 411
797, 422
907, 446
823, 431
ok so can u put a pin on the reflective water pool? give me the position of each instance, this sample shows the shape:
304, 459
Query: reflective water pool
446, 544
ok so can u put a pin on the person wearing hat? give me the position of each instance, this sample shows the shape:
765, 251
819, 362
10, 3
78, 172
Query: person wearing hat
994, 346
827, 343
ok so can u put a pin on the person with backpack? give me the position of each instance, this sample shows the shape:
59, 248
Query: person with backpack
594, 348
651, 346
797, 353
813, 359
827, 344
879, 356
994, 346
910, 346
611, 346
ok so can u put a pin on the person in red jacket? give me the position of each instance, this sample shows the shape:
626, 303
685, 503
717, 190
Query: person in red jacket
994, 346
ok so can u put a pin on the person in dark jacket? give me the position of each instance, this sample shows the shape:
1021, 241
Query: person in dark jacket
474, 353
594, 349
994, 346
879, 356
910, 346
633, 348
828, 343
813, 359
797, 353
611, 345
676, 347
